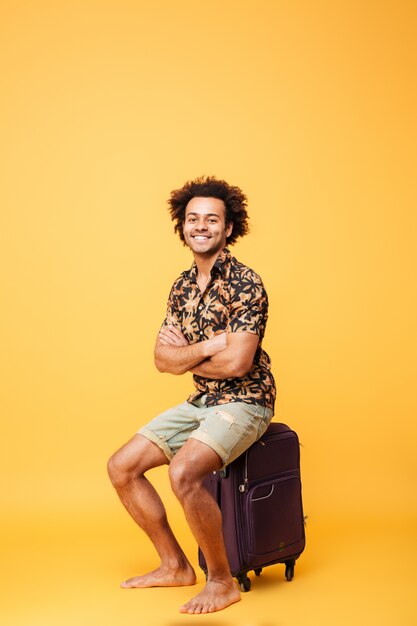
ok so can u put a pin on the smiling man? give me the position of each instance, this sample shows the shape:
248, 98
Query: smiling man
214, 326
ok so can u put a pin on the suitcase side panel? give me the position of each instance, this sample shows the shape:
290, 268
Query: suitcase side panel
262, 516
271, 505
223, 491
231, 517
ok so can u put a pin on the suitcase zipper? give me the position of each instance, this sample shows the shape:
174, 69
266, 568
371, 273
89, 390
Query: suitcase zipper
244, 487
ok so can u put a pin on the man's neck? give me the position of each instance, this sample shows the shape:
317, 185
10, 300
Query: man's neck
205, 263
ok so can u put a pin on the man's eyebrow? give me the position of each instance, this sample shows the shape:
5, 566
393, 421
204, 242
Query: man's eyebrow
207, 214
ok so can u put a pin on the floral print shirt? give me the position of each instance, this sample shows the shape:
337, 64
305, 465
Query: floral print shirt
234, 301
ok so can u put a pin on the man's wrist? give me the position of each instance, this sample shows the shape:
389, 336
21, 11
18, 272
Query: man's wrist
208, 348
215, 344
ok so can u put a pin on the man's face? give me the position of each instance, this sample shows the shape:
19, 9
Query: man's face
204, 226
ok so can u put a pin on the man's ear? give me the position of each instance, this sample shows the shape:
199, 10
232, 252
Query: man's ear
229, 229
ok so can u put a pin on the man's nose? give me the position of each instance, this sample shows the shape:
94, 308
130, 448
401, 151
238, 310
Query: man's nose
201, 226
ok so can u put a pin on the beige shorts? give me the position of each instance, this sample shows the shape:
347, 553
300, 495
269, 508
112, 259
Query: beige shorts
229, 429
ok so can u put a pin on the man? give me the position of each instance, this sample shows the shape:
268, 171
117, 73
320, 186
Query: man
214, 325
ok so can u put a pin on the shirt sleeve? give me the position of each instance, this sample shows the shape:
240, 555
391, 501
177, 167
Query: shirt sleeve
171, 316
249, 308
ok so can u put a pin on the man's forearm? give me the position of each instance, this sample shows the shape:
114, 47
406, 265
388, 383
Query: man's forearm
220, 366
181, 359
233, 362
178, 360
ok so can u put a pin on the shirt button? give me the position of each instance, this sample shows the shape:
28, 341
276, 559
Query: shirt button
201, 332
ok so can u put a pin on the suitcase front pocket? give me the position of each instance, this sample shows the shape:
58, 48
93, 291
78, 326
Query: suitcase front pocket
274, 520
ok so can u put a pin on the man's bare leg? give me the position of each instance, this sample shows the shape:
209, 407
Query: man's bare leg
126, 470
187, 471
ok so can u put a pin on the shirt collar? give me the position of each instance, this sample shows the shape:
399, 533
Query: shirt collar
220, 264
222, 261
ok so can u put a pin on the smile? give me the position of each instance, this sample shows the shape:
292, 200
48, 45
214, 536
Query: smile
200, 237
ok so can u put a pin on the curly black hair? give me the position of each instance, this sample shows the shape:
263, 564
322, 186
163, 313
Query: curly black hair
234, 199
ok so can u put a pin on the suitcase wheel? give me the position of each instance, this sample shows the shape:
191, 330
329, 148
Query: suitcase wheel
289, 569
258, 571
244, 582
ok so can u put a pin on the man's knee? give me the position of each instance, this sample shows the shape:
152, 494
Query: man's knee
133, 460
126, 464
181, 478
117, 470
190, 466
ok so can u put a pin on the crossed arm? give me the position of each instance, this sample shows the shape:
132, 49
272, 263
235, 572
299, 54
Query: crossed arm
227, 355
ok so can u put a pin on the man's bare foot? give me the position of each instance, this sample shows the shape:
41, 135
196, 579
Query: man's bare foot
163, 577
215, 596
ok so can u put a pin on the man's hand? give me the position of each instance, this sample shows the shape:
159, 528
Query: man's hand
218, 343
171, 336
233, 360
175, 355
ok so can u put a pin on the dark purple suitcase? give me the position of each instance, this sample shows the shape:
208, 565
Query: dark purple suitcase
259, 495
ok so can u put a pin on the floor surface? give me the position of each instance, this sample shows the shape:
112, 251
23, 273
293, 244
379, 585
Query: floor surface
66, 572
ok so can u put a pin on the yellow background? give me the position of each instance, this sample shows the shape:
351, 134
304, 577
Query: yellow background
106, 106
